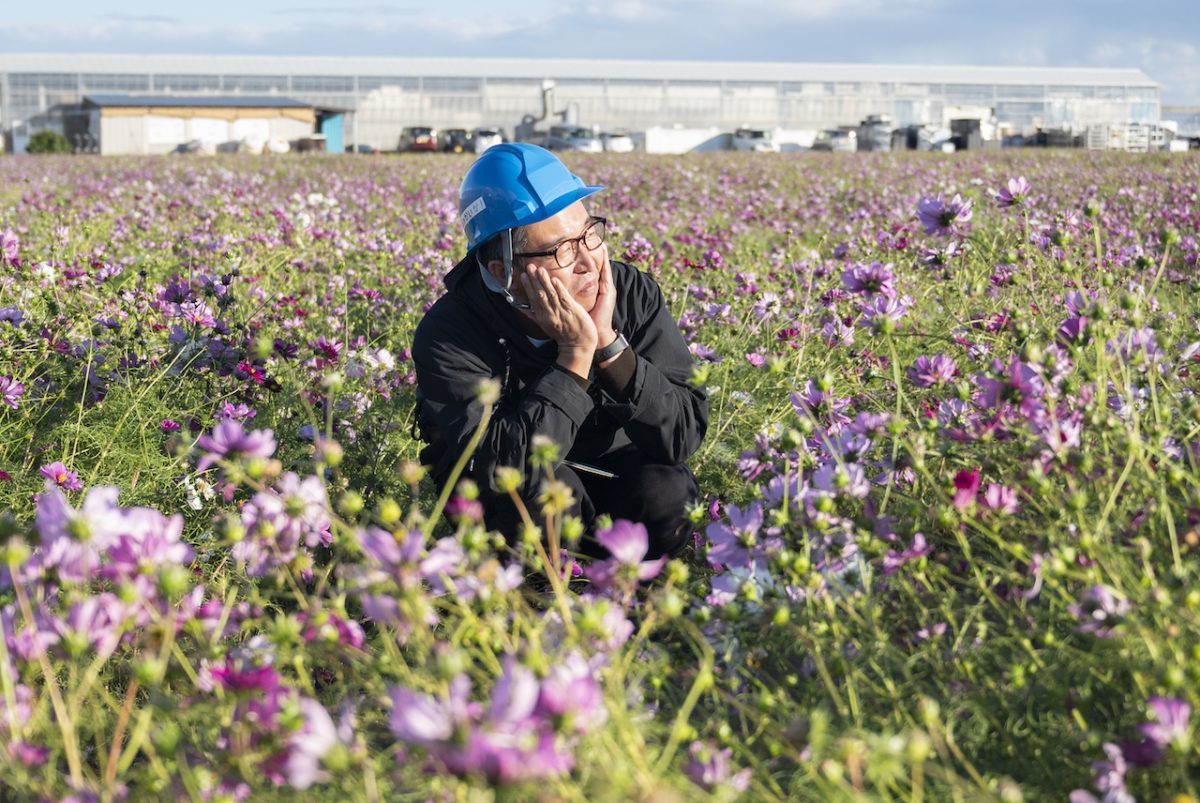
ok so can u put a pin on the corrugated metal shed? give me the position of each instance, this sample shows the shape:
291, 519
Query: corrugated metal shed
534, 68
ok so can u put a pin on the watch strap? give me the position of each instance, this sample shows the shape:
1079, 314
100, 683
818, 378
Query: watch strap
612, 349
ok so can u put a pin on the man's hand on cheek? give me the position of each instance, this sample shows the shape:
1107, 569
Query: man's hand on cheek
606, 302
562, 318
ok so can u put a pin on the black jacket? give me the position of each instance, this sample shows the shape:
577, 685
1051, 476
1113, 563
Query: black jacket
470, 335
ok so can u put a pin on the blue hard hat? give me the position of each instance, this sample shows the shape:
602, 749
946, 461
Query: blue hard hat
515, 184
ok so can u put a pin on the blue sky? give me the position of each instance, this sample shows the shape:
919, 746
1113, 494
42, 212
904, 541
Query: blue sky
1161, 37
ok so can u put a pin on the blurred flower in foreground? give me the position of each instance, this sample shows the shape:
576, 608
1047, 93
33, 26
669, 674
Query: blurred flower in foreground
710, 769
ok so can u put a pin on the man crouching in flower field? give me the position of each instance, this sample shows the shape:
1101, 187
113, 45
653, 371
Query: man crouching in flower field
585, 352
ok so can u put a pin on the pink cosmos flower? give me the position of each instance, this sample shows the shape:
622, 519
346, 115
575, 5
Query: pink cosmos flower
229, 441
1013, 193
943, 217
61, 476
712, 770
1000, 498
966, 487
10, 391
628, 543
10, 245
929, 371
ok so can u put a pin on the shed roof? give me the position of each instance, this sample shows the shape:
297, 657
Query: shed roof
199, 101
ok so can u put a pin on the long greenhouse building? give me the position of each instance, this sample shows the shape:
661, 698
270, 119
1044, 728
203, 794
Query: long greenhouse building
382, 96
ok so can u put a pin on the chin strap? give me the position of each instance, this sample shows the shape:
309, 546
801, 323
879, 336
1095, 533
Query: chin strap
506, 253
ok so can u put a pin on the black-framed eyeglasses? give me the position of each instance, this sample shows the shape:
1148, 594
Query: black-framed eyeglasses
566, 253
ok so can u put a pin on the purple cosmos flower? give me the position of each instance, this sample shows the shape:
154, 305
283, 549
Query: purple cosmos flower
10, 391
308, 746
711, 769
934, 258
61, 476
229, 441
570, 689
1018, 386
1013, 194
846, 479
1108, 779
94, 622
151, 542
929, 371
881, 308
822, 405
1000, 498
10, 245
873, 279
944, 218
237, 411
1072, 330
1170, 725
627, 543
508, 742
1099, 610
74, 542
893, 560
730, 544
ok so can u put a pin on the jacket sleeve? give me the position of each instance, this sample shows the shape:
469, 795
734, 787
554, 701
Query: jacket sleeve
663, 415
451, 362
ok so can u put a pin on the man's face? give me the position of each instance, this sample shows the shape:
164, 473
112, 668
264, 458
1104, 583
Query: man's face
580, 279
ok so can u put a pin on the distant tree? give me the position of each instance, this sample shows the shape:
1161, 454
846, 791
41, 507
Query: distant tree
49, 142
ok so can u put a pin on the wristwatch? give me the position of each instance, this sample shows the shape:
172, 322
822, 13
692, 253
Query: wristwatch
611, 350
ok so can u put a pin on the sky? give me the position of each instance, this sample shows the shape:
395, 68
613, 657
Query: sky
1160, 37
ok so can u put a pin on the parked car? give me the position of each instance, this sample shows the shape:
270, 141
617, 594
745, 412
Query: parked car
834, 139
418, 138
572, 138
616, 142
456, 140
484, 138
754, 139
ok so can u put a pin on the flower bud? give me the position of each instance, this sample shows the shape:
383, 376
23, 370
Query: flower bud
285, 630
329, 452
350, 504
508, 479
388, 511
174, 580
166, 738
79, 529
256, 468
918, 747
333, 382
150, 671
572, 529
543, 452
670, 603
488, 392
16, 552
928, 711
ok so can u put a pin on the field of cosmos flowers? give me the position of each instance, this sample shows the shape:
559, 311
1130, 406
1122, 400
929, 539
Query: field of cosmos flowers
947, 549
